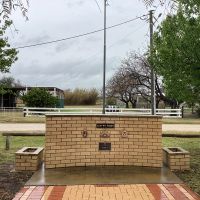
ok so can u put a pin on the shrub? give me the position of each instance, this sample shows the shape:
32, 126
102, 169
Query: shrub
111, 101
81, 97
38, 97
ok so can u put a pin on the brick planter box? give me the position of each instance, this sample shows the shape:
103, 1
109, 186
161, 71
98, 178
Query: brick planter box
28, 159
176, 158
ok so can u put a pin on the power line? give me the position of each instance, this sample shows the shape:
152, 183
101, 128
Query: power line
110, 46
80, 35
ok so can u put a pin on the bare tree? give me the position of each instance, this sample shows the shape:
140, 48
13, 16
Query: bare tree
138, 68
121, 87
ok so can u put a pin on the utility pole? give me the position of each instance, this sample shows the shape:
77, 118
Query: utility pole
104, 60
153, 96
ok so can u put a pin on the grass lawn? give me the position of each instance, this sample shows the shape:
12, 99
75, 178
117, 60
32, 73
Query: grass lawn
18, 118
16, 144
181, 120
192, 177
182, 132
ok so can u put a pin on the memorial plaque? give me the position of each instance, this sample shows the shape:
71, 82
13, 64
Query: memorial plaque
104, 146
104, 134
105, 125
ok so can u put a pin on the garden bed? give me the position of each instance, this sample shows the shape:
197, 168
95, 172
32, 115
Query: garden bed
11, 181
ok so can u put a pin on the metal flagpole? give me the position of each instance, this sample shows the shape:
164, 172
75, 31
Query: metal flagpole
104, 61
153, 96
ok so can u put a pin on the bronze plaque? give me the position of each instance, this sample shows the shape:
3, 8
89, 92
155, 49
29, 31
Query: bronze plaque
104, 146
104, 134
105, 125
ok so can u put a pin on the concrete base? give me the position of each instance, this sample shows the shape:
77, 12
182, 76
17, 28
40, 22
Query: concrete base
103, 175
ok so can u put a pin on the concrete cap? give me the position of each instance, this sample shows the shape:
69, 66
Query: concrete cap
24, 151
102, 115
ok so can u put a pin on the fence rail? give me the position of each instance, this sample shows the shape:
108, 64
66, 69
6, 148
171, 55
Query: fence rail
171, 113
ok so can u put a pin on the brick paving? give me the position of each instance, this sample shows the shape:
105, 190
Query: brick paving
108, 192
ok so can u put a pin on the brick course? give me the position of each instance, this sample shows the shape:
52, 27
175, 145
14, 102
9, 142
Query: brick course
176, 160
65, 145
28, 161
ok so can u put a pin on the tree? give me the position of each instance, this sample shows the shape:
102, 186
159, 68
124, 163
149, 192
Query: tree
186, 3
139, 68
38, 97
176, 56
190, 7
133, 79
121, 87
5, 84
9, 82
7, 6
7, 55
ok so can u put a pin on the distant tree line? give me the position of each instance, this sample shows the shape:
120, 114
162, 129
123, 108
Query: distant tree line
81, 97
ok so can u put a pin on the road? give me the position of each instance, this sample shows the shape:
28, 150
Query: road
41, 127
22, 127
181, 127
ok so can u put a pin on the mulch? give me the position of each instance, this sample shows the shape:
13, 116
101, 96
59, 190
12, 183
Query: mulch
11, 181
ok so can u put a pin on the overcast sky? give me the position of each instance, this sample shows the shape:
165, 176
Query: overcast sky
78, 62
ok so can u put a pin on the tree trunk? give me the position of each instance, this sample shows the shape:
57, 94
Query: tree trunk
127, 106
1, 100
192, 108
134, 104
157, 103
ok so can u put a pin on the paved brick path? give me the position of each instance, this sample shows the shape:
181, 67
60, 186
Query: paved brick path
108, 192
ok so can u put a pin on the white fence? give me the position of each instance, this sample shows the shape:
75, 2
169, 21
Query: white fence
171, 113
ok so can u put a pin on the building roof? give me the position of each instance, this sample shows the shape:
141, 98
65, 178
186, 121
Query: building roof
29, 88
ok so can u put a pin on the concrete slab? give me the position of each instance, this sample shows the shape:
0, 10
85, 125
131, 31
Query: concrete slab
103, 175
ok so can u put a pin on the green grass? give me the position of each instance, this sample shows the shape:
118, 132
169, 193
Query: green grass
16, 144
82, 106
192, 177
181, 132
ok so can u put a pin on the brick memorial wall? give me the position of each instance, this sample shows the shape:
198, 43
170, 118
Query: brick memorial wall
89, 140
